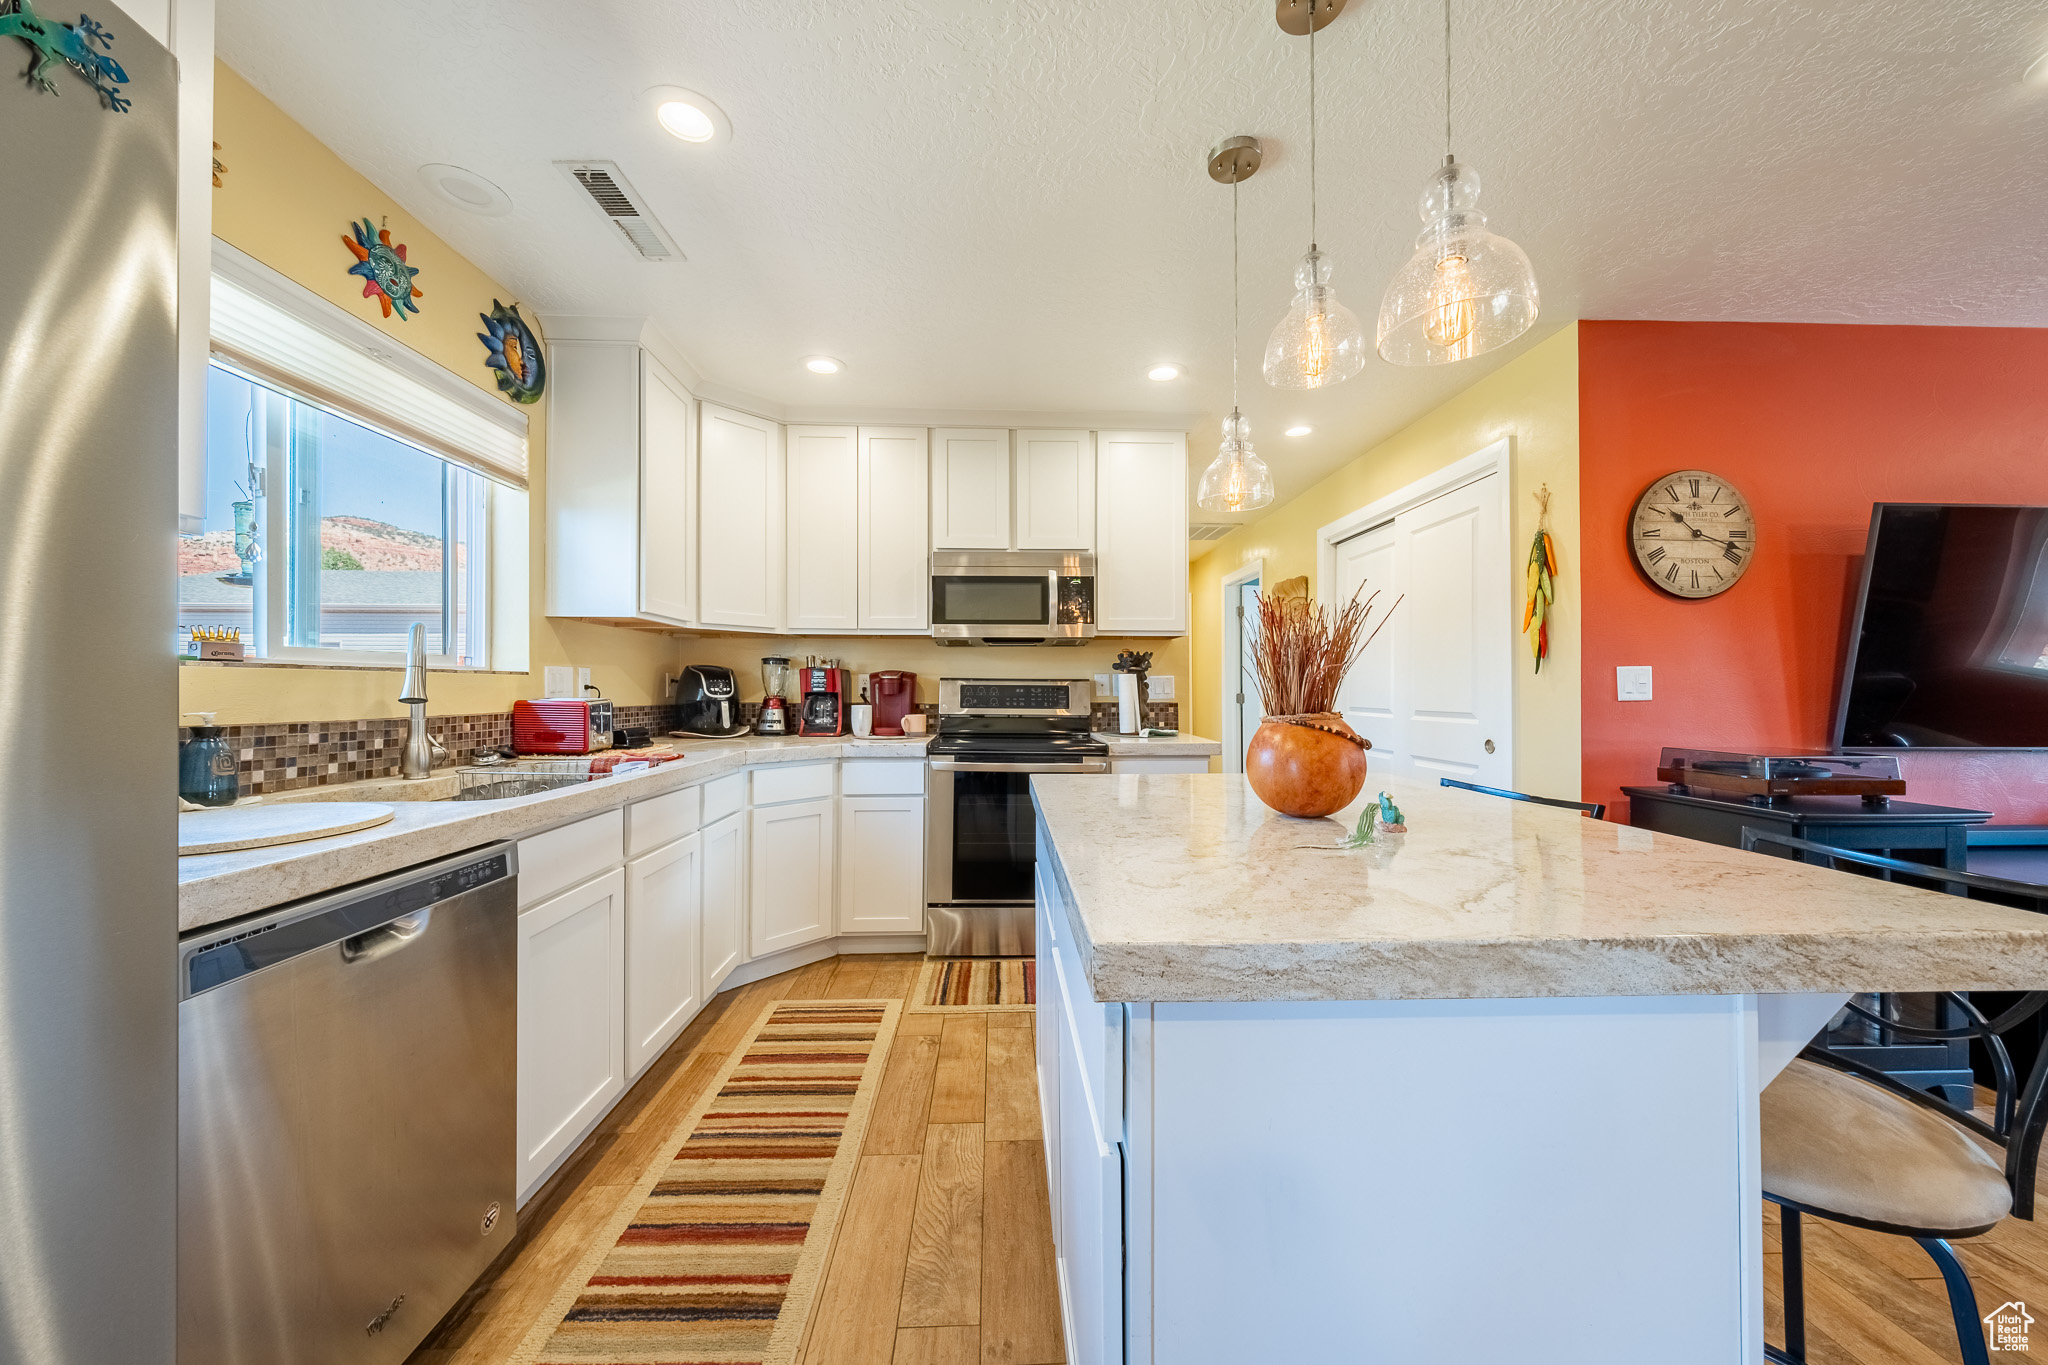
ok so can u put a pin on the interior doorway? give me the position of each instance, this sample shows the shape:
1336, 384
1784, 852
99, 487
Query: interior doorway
1435, 691
1241, 709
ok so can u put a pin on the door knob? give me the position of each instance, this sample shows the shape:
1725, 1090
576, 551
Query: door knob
1489, 746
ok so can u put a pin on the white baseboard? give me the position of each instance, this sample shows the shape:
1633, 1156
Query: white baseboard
845, 945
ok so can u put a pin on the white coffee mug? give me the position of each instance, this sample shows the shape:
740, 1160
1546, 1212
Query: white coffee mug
863, 714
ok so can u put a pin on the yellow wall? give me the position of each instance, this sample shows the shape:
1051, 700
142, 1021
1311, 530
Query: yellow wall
287, 200
1533, 399
931, 660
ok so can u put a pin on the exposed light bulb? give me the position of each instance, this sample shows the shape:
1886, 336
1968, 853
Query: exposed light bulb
1319, 341
1465, 291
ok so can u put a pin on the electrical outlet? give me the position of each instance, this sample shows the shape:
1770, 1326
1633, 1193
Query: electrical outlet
582, 681
1159, 687
669, 683
1632, 683
557, 680
1103, 686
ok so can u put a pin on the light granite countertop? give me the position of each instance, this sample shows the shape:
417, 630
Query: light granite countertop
216, 887
1182, 745
1187, 888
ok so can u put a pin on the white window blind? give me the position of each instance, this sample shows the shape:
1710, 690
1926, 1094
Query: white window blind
282, 334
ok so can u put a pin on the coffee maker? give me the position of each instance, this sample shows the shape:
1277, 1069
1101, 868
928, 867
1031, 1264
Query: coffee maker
823, 709
895, 693
774, 704
709, 702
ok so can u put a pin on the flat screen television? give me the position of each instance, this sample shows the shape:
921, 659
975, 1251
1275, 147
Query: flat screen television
1948, 648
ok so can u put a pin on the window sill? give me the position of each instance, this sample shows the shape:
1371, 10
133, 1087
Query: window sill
398, 667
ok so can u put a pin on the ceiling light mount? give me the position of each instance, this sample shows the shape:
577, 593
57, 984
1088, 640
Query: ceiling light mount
686, 115
1163, 373
1295, 16
465, 189
1235, 160
823, 364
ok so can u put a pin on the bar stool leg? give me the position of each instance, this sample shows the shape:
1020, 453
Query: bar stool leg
1962, 1300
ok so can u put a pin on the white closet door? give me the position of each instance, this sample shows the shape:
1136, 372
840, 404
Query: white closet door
667, 508
740, 569
895, 573
824, 557
1434, 693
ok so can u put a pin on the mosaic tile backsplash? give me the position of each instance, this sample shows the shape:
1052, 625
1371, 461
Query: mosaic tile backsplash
277, 758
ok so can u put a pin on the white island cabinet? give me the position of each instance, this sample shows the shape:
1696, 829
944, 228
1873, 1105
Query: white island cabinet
1489, 1086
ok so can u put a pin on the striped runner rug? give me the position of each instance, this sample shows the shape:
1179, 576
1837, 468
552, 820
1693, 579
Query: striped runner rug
716, 1259
976, 983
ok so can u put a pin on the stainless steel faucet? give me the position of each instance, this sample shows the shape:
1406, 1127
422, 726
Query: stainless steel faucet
421, 748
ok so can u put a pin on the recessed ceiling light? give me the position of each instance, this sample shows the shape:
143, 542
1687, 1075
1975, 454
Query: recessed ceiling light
1300, 429
465, 189
822, 364
1162, 373
687, 115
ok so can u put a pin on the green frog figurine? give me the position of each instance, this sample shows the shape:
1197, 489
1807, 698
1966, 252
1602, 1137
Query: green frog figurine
1391, 819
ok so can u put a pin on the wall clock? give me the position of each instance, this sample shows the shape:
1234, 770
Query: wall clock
1693, 533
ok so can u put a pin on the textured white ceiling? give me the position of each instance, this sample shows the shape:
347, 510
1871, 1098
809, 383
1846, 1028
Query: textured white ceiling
1003, 206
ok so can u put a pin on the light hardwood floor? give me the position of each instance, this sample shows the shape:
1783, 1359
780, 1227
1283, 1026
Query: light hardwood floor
944, 1254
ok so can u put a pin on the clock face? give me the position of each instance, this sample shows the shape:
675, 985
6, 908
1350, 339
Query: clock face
1693, 533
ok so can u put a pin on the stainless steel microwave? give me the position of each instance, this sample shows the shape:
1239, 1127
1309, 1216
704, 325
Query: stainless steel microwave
1013, 596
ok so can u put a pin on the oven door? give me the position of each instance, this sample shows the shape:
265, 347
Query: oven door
981, 840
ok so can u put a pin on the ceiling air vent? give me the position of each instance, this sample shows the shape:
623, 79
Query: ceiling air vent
623, 208
1211, 530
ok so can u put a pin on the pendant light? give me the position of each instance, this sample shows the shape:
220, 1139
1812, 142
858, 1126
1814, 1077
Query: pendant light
1319, 342
1465, 291
1237, 480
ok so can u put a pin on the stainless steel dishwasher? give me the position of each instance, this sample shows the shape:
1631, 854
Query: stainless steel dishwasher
346, 1143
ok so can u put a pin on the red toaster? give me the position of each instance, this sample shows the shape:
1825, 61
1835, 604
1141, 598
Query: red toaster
561, 725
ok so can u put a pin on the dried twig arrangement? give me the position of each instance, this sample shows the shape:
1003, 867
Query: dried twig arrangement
1303, 650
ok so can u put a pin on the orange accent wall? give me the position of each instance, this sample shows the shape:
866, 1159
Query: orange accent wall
1813, 424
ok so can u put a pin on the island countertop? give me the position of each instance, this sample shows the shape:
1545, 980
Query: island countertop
1186, 888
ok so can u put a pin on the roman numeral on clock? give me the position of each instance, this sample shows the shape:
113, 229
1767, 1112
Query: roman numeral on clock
1737, 533
1656, 554
1695, 489
1731, 554
1671, 574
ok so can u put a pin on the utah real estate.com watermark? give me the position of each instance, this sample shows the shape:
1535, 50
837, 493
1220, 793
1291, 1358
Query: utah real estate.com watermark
2005, 1328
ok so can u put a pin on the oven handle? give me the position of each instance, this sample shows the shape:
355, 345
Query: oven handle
1086, 765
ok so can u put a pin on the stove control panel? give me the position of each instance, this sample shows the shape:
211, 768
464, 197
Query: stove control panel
1014, 696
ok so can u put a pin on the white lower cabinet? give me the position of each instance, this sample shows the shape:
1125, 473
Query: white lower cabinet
572, 989
664, 910
881, 865
790, 891
725, 900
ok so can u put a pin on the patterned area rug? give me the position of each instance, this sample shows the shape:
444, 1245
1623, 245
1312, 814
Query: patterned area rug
718, 1255
976, 983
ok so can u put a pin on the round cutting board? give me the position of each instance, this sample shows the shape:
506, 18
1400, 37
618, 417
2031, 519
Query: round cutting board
231, 830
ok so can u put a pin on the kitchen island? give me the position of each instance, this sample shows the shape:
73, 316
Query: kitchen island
1484, 1089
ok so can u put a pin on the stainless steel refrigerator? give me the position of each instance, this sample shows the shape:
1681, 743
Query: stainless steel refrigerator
88, 695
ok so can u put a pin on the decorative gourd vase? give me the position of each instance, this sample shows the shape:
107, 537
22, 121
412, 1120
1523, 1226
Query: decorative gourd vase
1306, 766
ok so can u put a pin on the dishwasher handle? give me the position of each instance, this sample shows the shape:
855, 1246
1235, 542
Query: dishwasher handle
386, 939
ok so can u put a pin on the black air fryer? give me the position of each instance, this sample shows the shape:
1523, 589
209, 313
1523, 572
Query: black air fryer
710, 702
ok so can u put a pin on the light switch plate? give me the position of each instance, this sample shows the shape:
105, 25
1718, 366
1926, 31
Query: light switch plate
1159, 687
557, 680
1632, 683
1103, 687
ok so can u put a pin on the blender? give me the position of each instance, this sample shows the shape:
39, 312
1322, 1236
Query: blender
774, 704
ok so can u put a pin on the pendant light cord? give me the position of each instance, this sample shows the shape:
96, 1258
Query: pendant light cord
1447, 80
1312, 122
1233, 298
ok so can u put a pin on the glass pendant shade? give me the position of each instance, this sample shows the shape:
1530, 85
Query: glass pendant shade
1320, 341
1237, 480
1465, 291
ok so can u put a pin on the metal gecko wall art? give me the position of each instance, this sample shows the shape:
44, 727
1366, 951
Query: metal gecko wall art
381, 263
71, 44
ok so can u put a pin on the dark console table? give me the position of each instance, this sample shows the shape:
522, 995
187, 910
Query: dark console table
1939, 835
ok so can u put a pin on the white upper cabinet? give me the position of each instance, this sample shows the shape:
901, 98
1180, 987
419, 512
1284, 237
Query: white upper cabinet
668, 503
741, 570
895, 577
1055, 490
970, 489
621, 466
824, 547
1141, 533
